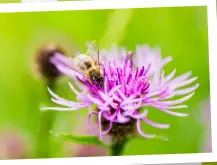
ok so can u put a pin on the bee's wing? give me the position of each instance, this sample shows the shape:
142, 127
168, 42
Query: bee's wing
93, 51
69, 63
75, 68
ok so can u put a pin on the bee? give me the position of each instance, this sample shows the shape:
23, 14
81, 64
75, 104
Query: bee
89, 66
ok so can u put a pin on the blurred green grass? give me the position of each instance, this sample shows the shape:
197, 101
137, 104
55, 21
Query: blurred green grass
181, 32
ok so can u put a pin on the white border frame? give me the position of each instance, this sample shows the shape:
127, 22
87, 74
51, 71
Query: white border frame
118, 4
29, 1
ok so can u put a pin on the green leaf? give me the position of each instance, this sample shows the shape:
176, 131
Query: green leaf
83, 139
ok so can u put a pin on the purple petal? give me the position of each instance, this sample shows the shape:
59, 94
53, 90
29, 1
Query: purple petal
109, 128
111, 117
121, 118
166, 60
181, 78
121, 94
55, 95
65, 65
137, 69
154, 124
181, 84
171, 112
116, 98
104, 108
130, 107
141, 71
108, 100
106, 84
66, 71
177, 107
141, 132
179, 100
186, 91
73, 89
95, 100
70, 104
148, 68
89, 120
80, 86
114, 89
130, 101
154, 93
59, 109
140, 115
170, 76
100, 126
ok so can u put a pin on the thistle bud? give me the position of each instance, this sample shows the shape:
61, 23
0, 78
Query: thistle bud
44, 67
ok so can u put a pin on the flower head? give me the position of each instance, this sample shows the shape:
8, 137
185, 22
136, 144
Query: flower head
132, 82
42, 63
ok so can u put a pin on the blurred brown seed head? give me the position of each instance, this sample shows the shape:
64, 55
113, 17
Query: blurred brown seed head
44, 67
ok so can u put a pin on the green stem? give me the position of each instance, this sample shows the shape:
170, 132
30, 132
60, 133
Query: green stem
118, 147
47, 119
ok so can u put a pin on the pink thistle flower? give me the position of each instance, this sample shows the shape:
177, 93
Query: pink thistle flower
131, 84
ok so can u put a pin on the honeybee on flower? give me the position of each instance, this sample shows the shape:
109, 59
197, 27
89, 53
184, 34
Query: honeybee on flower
130, 83
88, 65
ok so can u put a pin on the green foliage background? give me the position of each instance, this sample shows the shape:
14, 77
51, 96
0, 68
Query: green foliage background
181, 32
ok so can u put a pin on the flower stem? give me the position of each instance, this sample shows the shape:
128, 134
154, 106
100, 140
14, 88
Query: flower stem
118, 147
47, 119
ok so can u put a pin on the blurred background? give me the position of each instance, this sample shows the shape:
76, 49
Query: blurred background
181, 32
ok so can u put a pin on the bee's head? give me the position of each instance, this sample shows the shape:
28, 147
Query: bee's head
96, 76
